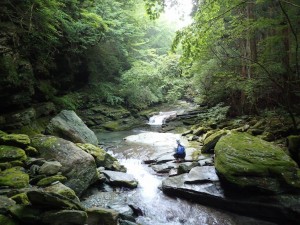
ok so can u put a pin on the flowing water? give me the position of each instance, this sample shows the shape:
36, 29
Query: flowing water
158, 208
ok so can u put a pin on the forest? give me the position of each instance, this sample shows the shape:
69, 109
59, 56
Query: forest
242, 53
84, 82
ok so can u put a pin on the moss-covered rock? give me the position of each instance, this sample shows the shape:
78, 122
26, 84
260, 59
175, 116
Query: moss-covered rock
112, 125
200, 131
19, 140
99, 215
63, 190
49, 180
31, 151
102, 158
250, 162
11, 153
5, 220
293, 143
2, 133
26, 214
21, 199
211, 141
5, 203
74, 217
14, 178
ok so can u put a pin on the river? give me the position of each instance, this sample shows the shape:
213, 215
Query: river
158, 209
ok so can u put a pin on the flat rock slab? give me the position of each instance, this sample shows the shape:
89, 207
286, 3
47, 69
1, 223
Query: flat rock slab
120, 179
283, 208
202, 174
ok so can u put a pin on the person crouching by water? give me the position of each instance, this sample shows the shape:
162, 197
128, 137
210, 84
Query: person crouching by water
179, 152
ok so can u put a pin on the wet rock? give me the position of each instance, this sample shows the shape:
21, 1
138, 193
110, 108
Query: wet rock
50, 200
102, 158
78, 166
103, 216
186, 167
283, 209
163, 168
211, 141
202, 174
244, 161
5, 204
50, 168
26, 214
120, 179
14, 177
69, 126
65, 217
206, 161
11, 153
18, 140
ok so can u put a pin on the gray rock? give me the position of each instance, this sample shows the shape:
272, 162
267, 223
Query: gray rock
69, 126
202, 175
280, 208
50, 168
5, 203
61, 189
120, 179
78, 166
65, 217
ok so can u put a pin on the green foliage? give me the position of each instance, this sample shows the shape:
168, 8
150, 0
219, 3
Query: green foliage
69, 101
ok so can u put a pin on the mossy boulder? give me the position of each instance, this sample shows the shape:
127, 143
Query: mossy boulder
26, 214
98, 215
5, 220
63, 190
49, 180
211, 141
19, 140
14, 177
78, 166
5, 203
293, 143
245, 161
64, 217
11, 153
69, 126
102, 158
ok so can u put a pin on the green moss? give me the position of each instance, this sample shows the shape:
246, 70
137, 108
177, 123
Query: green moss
31, 151
21, 199
4, 220
112, 125
49, 180
14, 178
19, 140
11, 153
211, 141
25, 214
240, 157
293, 142
5, 165
2, 133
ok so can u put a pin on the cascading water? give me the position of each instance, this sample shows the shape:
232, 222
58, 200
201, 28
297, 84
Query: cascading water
161, 118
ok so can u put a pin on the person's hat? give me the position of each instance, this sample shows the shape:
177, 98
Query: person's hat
178, 141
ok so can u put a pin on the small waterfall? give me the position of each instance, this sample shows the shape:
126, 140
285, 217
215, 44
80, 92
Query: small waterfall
161, 118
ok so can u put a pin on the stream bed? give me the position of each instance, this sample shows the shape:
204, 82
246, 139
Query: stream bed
157, 208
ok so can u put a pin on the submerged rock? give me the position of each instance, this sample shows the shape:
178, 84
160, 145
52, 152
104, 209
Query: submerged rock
69, 126
245, 161
120, 179
78, 166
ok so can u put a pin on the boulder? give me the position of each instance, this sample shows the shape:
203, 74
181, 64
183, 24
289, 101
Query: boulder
248, 162
211, 141
18, 140
102, 158
97, 215
50, 168
120, 179
69, 126
51, 200
64, 217
14, 178
78, 166
11, 153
